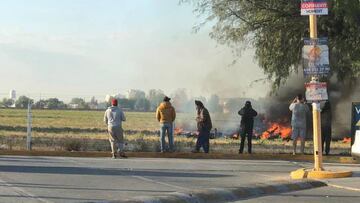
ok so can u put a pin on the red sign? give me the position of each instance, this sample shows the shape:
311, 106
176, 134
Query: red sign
314, 7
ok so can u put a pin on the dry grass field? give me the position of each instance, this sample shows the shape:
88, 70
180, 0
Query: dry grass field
85, 130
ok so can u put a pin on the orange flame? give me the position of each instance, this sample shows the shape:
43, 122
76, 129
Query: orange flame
277, 129
178, 131
347, 140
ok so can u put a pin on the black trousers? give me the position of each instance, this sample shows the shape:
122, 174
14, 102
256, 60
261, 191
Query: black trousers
203, 141
246, 133
326, 139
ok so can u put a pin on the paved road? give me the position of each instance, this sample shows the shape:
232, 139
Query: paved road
323, 194
344, 190
58, 179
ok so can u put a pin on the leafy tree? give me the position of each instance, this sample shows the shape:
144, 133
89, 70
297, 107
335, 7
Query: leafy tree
40, 104
79, 103
7, 102
23, 101
275, 29
126, 103
155, 97
142, 105
54, 103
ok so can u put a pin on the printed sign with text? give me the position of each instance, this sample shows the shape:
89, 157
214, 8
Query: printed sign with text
316, 57
314, 7
316, 92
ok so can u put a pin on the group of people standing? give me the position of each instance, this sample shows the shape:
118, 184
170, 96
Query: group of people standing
166, 115
300, 120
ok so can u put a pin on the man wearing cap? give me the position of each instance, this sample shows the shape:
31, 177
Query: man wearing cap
204, 126
113, 118
247, 114
166, 115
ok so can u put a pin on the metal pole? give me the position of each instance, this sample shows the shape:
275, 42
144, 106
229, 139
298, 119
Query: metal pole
316, 109
29, 118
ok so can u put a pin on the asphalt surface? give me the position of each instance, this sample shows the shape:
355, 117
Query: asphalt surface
323, 194
66, 179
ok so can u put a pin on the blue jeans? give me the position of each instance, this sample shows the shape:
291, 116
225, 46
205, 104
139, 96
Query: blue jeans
166, 127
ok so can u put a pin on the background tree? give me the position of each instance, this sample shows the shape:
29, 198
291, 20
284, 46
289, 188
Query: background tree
126, 104
40, 104
276, 29
22, 102
6, 102
79, 103
142, 104
54, 103
155, 97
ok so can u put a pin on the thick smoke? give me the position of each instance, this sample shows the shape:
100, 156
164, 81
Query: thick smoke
341, 95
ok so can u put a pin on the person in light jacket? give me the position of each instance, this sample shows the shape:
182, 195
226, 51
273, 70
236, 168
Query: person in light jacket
113, 118
300, 112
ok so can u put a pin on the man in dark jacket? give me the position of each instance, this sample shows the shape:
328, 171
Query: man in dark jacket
204, 126
326, 118
247, 114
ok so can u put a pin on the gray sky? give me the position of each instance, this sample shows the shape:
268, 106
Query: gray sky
81, 48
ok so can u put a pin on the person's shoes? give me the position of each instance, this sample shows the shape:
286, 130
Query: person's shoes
294, 153
240, 152
113, 156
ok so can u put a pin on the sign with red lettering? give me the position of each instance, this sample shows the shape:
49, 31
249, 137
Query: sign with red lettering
314, 7
316, 91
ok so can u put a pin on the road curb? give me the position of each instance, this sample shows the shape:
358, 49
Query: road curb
217, 195
187, 155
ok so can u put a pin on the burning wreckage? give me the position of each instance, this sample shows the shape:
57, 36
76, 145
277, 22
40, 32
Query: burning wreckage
263, 129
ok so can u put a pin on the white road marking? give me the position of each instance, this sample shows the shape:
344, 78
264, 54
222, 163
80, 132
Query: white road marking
158, 182
343, 187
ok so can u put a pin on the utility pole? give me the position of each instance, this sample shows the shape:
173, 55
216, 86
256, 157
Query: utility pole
316, 66
29, 119
316, 107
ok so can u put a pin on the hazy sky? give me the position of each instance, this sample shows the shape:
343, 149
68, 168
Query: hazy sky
80, 48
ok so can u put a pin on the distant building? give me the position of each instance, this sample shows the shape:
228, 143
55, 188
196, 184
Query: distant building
12, 95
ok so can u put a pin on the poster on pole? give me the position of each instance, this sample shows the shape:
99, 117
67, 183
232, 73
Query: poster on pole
316, 91
315, 56
355, 120
314, 7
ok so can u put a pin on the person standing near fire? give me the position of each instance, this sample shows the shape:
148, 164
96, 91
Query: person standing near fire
204, 126
166, 115
113, 118
300, 112
247, 114
326, 118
